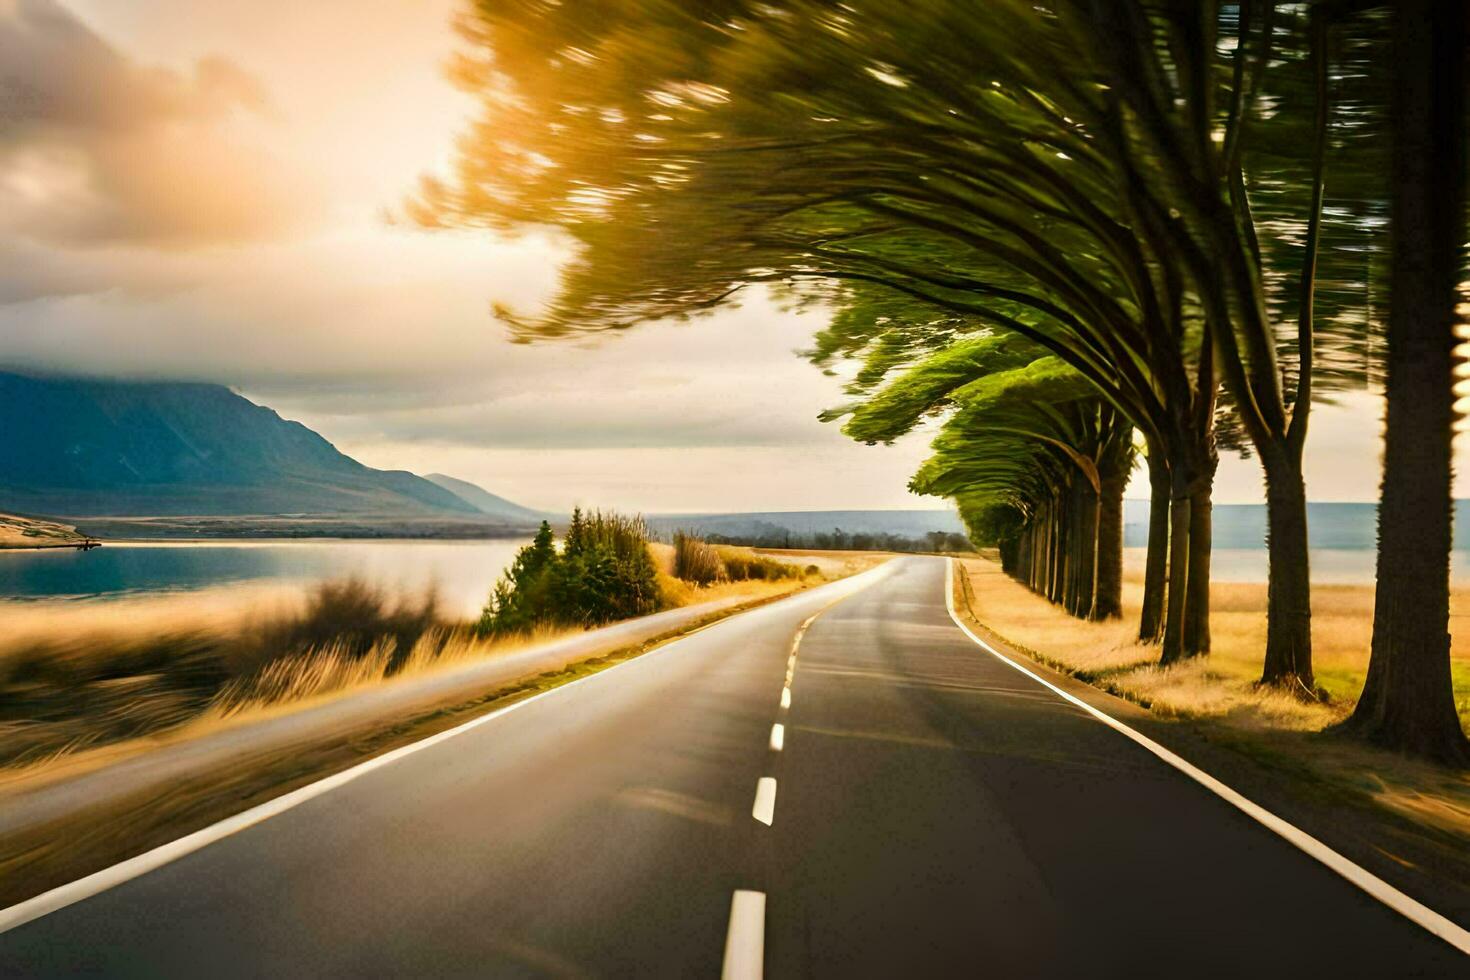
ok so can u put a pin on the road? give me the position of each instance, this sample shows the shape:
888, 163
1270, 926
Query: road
935, 813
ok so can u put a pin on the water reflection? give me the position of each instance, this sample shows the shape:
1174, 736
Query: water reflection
463, 570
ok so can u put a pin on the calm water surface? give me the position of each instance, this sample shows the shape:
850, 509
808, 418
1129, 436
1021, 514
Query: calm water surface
1330, 566
463, 571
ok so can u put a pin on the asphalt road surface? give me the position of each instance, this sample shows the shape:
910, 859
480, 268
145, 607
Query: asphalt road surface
924, 810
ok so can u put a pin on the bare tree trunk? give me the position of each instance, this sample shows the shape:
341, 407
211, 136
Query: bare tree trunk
1073, 508
1086, 551
1197, 592
1033, 538
1289, 593
1010, 555
1068, 597
1173, 647
1108, 603
1408, 703
1057, 561
1156, 565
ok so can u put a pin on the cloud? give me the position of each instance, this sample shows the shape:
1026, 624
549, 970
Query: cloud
96, 148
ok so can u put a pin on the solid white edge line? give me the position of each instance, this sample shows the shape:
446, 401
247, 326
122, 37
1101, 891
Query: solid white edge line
745, 942
778, 737
110, 877
1364, 879
764, 809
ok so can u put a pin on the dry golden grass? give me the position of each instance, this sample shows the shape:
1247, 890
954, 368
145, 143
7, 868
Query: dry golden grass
678, 592
1221, 688
1223, 683
833, 564
285, 685
83, 675
85, 683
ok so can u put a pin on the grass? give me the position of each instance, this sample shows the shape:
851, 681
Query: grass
119, 671
1220, 691
696, 562
1223, 684
699, 563
81, 842
83, 679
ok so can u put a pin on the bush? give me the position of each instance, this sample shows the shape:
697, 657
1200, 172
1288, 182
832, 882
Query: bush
697, 562
92, 686
743, 565
603, 573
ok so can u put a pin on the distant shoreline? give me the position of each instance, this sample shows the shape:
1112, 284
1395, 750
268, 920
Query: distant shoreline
296, 528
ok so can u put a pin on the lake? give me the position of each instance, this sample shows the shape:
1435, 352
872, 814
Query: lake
463, 571
1330, 566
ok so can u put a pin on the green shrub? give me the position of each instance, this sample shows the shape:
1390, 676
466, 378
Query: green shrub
603, 573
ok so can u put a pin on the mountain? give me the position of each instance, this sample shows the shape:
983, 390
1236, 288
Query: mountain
483, 500
81, 446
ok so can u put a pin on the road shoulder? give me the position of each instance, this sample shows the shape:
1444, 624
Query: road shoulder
1427, 865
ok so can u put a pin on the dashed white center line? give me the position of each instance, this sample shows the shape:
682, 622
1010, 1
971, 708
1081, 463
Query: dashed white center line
778, 737
765, 800
785, 697
745, 942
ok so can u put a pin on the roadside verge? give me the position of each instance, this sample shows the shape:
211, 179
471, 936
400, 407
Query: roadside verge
70, 829
1089, 701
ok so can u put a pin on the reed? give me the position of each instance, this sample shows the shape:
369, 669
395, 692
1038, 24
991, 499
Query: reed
698, 562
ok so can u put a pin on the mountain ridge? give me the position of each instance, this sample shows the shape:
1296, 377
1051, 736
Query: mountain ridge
484, 501
89, 446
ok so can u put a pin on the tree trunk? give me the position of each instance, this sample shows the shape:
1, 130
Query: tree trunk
1086, 551
1010, 555
1059, 551
1059, 586
1408, 703
1173, 648
1197, 592
1288, 589
1108, 603
1073, 508
1033, 547
1156, 565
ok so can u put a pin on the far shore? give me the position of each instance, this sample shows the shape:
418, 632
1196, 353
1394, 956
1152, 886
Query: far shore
31, 534
297, 527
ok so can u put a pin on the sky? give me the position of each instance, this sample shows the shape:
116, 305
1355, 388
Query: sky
201, 190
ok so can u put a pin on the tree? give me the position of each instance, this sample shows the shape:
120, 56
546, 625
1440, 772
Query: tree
524, 595
940, 359
1026, 429
1408, 702
603, 573
1072, 191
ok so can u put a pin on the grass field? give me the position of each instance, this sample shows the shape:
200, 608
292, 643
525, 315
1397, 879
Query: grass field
104, 679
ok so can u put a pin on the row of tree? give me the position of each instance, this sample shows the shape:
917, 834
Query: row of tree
839, 540
1075, 229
